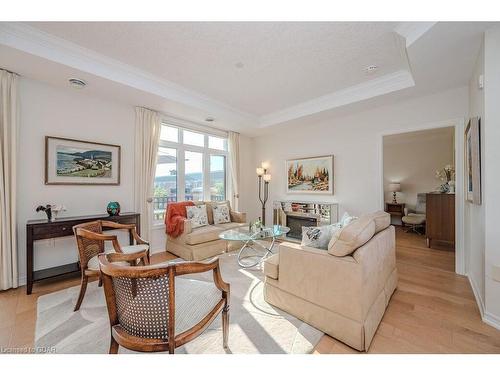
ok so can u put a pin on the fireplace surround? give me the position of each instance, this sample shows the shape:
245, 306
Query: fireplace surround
298, 214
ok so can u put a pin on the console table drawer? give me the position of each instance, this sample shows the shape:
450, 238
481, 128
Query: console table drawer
50, 231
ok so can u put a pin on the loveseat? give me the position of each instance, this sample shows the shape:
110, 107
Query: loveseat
203, 242
342, 291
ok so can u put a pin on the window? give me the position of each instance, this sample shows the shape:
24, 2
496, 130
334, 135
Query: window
217, 177
191, 165
165, 186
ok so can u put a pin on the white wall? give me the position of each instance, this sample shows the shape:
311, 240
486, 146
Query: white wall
412, 160
46, 110
491, 189
356, 143
474, 217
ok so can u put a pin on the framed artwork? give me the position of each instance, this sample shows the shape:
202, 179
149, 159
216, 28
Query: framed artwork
473, 161
310, 175
75, 162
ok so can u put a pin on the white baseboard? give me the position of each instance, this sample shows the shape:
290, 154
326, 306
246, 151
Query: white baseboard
479, 299
491, 320
486, 317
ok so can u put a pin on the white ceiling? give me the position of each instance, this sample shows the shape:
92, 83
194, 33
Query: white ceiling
290, 71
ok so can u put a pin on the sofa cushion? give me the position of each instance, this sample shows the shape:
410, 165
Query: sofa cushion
221, 213
209, 205
203, 234
382, 220
197, 215
271, 266
352, 236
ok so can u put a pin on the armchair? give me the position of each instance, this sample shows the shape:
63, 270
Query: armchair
151, 310
90, 241
416, 219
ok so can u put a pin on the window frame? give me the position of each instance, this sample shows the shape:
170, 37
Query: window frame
181, 156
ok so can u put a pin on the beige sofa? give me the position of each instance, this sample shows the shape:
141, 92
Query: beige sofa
203, 242
343, 291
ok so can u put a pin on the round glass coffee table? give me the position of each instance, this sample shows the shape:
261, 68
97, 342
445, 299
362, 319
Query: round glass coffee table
254, 251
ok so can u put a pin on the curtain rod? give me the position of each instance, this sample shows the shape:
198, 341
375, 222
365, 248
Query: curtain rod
11, 72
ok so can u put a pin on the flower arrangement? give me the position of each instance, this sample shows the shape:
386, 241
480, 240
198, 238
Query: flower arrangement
446, 174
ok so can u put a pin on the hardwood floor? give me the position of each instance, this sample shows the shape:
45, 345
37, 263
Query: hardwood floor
432, 311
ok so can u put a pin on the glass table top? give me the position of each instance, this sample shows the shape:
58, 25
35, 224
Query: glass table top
243, 234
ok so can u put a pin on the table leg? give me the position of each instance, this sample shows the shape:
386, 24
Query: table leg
29, 260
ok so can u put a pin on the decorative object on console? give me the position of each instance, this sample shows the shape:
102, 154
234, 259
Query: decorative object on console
198, 215
47, 209
310, 175
473, 161
221, 213
394, 187
74, 162
263, 175
113, 208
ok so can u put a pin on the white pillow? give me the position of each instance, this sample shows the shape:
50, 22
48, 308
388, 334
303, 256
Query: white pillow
221, 213
197, 215
347, 219
318, 237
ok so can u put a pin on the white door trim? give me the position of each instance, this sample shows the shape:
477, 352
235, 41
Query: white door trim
458, 124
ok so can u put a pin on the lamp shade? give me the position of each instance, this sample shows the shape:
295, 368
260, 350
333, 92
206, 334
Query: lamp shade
395, 187
267, 177
260, 171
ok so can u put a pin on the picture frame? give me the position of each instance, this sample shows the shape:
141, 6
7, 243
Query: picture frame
79, 162
472, 160
312, 175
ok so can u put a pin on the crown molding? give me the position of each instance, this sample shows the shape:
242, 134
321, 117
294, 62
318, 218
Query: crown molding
379, 86
38, 43
47, 46
412, 31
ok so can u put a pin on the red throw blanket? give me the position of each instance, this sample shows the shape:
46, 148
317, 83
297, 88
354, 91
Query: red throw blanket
174, 219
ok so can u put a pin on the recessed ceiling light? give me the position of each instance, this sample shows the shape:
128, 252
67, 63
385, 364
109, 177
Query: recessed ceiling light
370, 69
77, 83
209, 119
239, 65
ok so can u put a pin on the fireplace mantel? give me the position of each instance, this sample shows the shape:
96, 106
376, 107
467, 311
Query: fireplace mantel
311, 213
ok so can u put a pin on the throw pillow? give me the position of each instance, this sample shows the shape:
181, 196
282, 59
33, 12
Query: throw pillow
318, 237
221, 213
346, 219
197, 215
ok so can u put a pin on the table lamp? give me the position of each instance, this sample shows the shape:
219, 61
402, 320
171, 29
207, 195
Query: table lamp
394, 188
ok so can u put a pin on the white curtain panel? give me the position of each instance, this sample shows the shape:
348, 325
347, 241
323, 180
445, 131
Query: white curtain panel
147, 136
8, 151
234, 169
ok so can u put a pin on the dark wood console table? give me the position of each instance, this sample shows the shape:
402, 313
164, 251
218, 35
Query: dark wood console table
62, 227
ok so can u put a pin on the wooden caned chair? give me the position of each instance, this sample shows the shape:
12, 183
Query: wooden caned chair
152, 310
90, 241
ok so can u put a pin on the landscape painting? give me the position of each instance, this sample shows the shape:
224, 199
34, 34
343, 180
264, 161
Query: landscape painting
73, 162
310, 175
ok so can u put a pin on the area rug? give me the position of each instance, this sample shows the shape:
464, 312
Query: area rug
255, 326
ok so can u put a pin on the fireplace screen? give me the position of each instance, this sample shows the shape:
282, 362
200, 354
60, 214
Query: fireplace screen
295, 223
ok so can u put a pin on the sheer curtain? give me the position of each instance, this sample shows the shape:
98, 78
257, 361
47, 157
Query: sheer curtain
8, 150
147, 136
234, 169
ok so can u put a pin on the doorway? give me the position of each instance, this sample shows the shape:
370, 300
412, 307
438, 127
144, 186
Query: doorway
421, 192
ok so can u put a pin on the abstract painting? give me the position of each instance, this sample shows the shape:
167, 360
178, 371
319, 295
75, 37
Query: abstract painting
74, 162
310, 175
473, 161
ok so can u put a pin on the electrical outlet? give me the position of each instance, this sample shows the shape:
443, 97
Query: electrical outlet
495, 274
480, 82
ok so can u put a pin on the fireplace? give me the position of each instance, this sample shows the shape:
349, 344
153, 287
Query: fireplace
295, 223
298, 214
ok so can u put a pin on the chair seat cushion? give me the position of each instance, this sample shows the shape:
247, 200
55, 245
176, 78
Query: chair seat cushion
134, 248
93, 263
194, 299
413, 219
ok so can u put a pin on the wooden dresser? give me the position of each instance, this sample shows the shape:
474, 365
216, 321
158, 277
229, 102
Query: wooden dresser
440, 218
